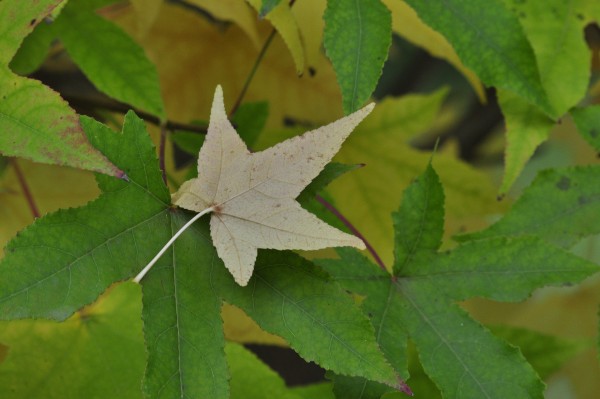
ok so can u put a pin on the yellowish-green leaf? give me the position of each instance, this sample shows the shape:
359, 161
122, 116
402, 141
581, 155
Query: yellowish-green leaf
98, 353
311, 98
310, 16
555, 30
147, 12
407, 24
368, 196
42, 126
252, 195
51, 187
236, 11
238, 327
284, 22
526, 128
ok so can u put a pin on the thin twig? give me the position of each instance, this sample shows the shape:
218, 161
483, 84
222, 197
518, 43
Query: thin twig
25, 187
259, 58
353, 229
161, 151
120, 108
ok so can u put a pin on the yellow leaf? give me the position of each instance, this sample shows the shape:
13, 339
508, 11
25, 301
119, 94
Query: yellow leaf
407, 24
369, 195
52, 187
206, 55
236, 11
309, 14
147, 12
240, 328
252, 195
285, 23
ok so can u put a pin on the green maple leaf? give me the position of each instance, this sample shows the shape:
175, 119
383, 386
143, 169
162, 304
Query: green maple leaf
419, 300
66, 259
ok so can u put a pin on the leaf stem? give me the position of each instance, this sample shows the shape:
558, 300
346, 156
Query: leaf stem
259, 58
161, 150
145, 270
25, 187
353, 229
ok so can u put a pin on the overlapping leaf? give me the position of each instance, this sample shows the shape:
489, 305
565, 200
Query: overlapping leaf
357, 37
36, 123
418, 300
251, 196
563, 59
310, 98
110, 58
103, 343
491, 42
99, 351
526, 128
588, 123
236, 11
381, 143
283, 21
407, 24
73, 255
555, 30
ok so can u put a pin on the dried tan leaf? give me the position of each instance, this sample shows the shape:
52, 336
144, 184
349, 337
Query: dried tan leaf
252, 195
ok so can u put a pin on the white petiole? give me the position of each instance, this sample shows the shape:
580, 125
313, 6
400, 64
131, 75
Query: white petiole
145, 270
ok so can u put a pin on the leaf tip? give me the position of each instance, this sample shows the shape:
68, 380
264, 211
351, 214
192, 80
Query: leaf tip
405, 388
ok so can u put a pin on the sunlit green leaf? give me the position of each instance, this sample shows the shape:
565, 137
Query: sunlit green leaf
357, 38
113, 62
490, 41
42, 126
526, 128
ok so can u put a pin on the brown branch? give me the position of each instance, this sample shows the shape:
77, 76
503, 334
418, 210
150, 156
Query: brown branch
353, 229
259, 58
121, 108
25, 187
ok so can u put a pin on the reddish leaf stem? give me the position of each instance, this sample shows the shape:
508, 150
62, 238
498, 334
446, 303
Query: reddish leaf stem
25, 187
353, 229
161, 150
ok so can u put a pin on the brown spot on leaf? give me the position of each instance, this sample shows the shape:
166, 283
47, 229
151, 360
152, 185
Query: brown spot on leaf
564, 183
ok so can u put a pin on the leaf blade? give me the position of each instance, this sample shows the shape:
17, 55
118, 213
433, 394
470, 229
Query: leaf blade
289, 297
560, 206
183, 330
44, 128
490, 41
366, 27
115, 64
78, 245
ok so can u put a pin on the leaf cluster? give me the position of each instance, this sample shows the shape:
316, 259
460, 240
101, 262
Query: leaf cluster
397, 317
